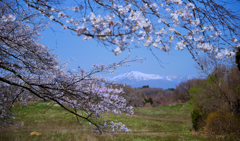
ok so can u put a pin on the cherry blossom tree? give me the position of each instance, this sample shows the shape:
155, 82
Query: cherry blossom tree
30, 68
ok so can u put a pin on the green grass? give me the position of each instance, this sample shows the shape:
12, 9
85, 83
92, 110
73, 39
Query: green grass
147, 124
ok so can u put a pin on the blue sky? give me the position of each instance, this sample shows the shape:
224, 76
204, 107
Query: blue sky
86, 53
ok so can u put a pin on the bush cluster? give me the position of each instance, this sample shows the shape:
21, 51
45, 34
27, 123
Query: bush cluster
223, 123
211, 104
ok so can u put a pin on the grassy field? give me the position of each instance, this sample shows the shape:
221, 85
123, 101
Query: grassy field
147, 124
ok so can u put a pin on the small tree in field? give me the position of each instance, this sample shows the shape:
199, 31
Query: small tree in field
28, 68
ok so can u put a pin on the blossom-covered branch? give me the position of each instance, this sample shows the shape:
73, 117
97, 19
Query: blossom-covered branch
159, 24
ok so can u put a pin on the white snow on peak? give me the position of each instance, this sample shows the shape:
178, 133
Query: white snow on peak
142, 76
138, 79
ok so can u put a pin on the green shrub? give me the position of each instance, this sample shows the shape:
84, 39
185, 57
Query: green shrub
194, 89
196, 117
146, 100
149, 100
209, 79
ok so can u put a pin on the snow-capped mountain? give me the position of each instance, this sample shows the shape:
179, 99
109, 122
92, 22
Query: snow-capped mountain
138, 79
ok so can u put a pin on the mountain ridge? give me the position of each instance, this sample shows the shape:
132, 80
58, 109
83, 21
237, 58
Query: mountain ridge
138, 79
